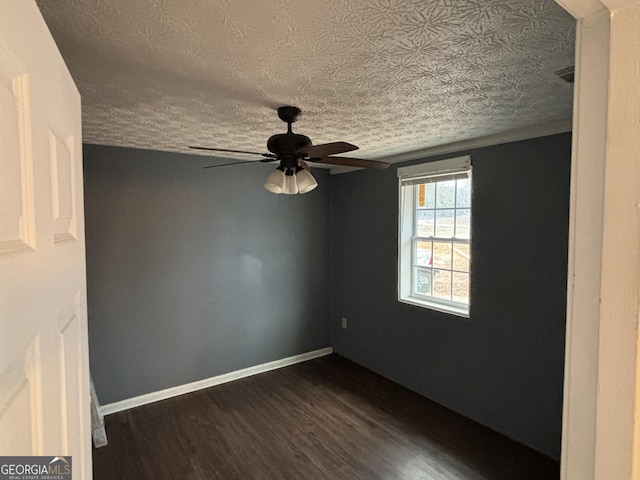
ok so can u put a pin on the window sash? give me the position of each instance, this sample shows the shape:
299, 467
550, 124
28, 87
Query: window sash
415, 266
439, 300
414, 254
455, 208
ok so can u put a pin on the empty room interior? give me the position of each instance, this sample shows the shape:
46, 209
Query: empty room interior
370, 282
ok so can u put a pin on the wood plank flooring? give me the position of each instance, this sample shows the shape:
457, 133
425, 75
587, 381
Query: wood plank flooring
327, 418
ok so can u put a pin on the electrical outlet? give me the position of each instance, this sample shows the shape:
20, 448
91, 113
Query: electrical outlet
344, 322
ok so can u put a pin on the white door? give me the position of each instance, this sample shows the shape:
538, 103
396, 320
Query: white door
44, 379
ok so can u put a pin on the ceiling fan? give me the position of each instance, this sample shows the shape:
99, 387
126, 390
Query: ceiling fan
293, 151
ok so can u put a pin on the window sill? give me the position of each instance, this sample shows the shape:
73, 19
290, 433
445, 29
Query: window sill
439, 307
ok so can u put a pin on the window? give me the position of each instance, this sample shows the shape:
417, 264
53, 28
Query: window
435, 235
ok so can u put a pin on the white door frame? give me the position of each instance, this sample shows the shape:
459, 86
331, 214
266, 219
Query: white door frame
601, 431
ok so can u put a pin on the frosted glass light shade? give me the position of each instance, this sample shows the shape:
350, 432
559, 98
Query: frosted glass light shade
275, 182
290, 185
306, 182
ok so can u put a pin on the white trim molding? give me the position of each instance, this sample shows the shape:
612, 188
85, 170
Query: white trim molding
515, 135
509, 136
601, 416
585, 249
147, 398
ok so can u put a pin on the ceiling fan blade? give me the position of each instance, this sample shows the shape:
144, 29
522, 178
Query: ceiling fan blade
352, 162
235, 163
304, 165
325, 149
209, 149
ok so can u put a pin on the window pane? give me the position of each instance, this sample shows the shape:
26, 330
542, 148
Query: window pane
463, 224
423, 254
463, 193
422, 281
461, 287
445, 194
461, 257
444, 223
442, 284
442, 255
425, 223
429, 195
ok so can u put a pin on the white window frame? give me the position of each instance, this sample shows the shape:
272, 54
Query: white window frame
407, 237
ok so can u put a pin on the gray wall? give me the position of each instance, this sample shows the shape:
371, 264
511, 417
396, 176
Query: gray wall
502, 367
193, 273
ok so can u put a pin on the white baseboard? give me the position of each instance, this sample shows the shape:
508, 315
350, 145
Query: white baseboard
210, 382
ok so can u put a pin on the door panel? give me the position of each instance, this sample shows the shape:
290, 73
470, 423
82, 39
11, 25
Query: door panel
21, 404
62, 192
44, 377
17, 215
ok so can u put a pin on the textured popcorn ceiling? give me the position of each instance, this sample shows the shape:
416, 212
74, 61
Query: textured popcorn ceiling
388, 75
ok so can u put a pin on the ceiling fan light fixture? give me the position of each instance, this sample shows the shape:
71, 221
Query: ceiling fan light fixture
276, 181
293, 150
290, 183
305, 180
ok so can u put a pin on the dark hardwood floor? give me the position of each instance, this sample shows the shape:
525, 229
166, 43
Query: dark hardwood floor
327, 418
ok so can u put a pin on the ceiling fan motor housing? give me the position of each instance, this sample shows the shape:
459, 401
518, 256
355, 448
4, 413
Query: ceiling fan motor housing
285, 146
